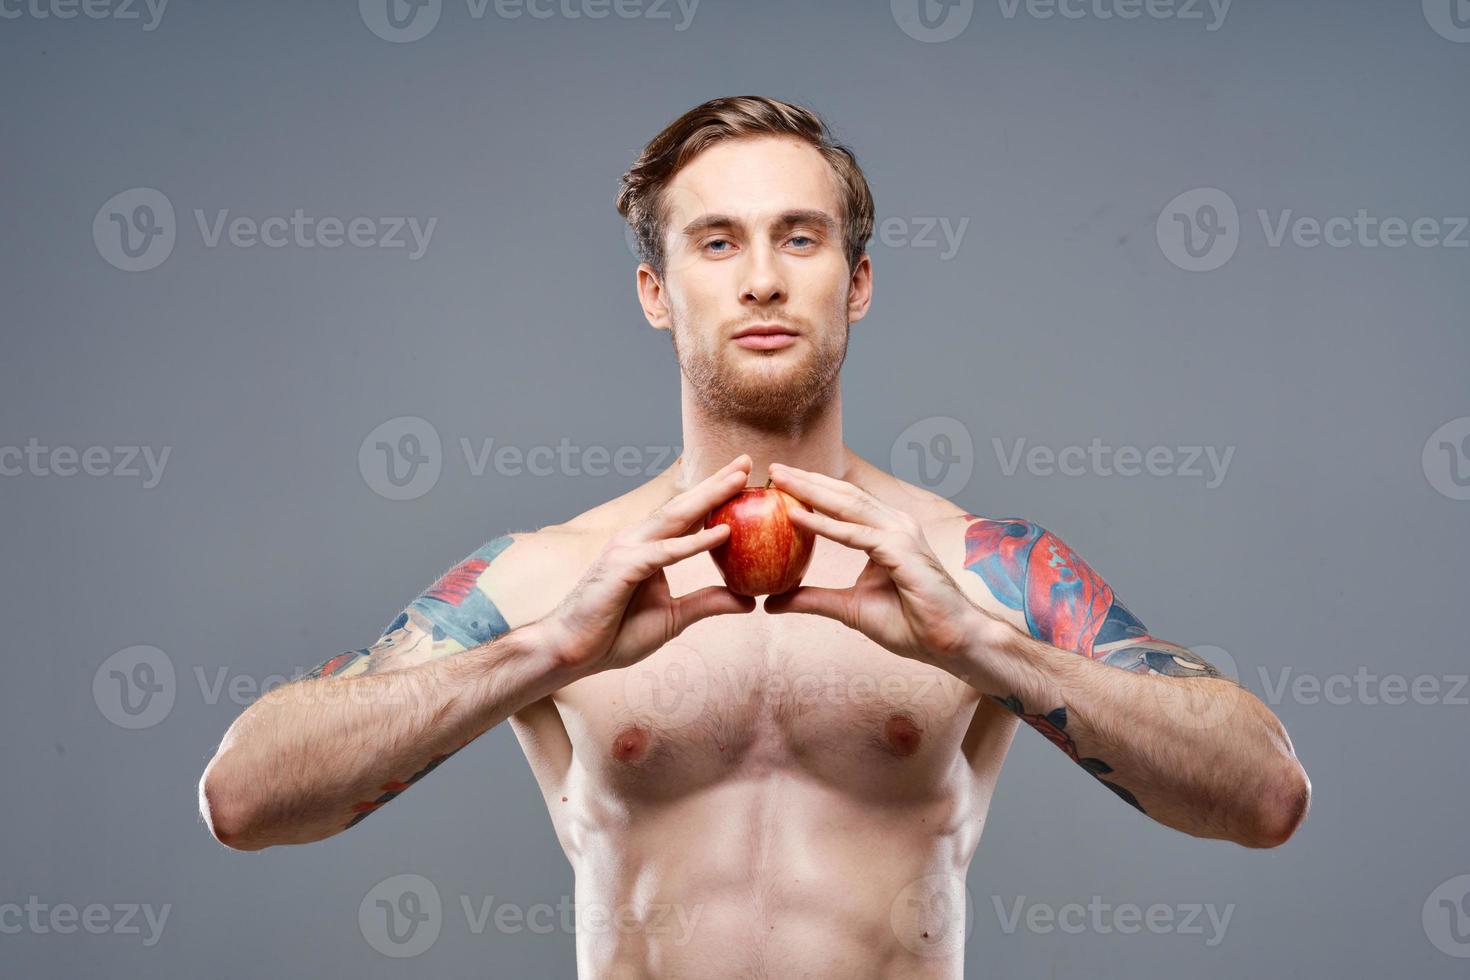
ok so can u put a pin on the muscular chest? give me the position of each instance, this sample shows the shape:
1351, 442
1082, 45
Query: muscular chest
747, 696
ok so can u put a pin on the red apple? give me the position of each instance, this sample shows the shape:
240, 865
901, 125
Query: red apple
765, 553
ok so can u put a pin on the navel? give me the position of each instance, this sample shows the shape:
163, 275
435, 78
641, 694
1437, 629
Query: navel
630, 744
902, 735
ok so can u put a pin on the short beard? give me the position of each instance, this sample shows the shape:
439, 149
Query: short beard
764, 404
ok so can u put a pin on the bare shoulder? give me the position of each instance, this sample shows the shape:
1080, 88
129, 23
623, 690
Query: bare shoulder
928, 507
939, 516
538, 568
955, 535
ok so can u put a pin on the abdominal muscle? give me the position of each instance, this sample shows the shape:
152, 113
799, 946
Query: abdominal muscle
772, 876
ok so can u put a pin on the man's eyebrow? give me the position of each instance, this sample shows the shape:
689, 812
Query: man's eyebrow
787, 219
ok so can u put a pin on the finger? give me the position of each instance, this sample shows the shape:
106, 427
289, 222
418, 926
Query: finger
714, 600
680, 512
666, 551
832, 603
836, 497
859, 536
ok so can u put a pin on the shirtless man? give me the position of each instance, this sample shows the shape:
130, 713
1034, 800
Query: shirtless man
803, 780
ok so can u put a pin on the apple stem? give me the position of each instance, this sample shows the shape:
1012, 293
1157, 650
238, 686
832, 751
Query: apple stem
768, 483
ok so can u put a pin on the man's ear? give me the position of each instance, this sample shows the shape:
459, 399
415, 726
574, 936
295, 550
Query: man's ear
860, 289
652, 297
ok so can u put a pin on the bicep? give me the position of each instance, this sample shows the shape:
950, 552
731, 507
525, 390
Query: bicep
454, 614
1059, 599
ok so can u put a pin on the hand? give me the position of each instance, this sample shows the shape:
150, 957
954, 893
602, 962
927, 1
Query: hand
903, 600
621, 611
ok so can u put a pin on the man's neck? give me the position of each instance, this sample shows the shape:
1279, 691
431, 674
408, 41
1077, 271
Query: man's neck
709, 443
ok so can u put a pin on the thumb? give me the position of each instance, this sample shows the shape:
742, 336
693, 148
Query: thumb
831, 603
714, 600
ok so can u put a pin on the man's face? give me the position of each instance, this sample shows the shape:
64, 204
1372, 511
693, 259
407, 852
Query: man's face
753, 235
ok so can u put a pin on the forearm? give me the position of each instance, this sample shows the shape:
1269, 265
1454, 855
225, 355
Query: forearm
311, 758
1199, 754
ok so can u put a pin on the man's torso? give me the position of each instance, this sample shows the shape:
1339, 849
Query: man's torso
763, 796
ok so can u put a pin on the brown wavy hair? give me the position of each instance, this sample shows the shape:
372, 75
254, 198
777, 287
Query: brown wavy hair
640, 190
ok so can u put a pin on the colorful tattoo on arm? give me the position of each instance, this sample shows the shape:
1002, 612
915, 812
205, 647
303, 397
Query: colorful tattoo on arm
340, 665
1053, 725
1064, 602
451, 616
392, 789
1068, 605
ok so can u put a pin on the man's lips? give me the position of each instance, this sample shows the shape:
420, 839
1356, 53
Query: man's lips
765, 336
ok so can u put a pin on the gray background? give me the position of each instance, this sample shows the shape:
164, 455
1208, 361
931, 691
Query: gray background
265, 549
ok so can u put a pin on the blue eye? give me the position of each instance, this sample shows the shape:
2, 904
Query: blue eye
717, 241
803, 238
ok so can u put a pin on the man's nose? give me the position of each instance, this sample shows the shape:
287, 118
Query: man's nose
763, 281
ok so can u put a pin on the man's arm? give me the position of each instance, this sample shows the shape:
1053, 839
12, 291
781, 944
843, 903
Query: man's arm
313, 757
1156, 724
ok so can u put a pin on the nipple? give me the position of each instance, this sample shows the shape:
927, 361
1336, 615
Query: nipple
630, 744
902, 734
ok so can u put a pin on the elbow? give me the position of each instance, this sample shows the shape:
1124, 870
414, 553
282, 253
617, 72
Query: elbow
222, 814
1281, 811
